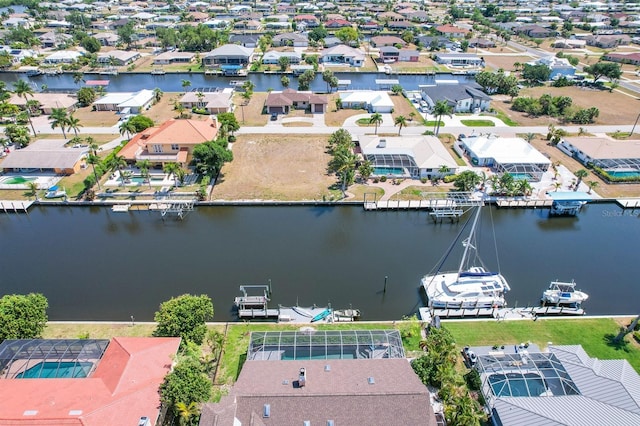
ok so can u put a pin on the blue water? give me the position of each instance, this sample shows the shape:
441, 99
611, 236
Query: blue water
319, 353
55, 370
517, 384
141, 180
627, 174
386, 171
521, 176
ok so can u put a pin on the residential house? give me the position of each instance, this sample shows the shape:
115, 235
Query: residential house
379, 41
283, 102
331, 41
604, 152
125, 102
249, 25
47, 101
623, 58
370, 100
482, 43
291, 39
229, 57
608, 41
48, 156
370, 26
564, 43
114, 381
273, 57
462, 97
400, 25
343, 54
309, 20
53, 39
118, 57
452, 31
17, 22
535, 31
361, 378
416, 15
107, 39
197, 16
246, 40
214, 102
390, 16
408, 55
559, 66
389, 54
62, 57
167, 58
337, 24
172, 142
435, 42
419, 157
459, 59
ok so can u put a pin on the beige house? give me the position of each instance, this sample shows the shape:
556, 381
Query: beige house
214, 102
47, 101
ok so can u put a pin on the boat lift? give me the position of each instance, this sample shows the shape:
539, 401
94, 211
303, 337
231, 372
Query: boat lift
568, 203
177, 206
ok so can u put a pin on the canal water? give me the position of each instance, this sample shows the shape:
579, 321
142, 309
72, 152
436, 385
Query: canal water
94, 264
173, 82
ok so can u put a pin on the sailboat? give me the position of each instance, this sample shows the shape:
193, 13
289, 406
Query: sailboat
471, 286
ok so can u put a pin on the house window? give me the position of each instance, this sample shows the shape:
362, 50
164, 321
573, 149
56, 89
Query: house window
175, 147
156, 148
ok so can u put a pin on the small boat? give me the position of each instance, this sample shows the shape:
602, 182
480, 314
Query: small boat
158, 71
322, 315
301, 311
234, 83
563, 293
471, 287
341, 315
55, 192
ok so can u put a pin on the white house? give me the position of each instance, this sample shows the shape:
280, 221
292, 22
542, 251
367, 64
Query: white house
343, 54
125, 102
371, 100
62, 57
273, 57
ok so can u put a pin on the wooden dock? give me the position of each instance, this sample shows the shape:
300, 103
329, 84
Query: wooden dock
524, 203
408, 205
15, 206
532, 313
628, 203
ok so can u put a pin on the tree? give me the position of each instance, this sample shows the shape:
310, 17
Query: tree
93, 160
626, 330
91, 44
229, 121
603, 69
17, 135
365, 170
408, 36
186, 84
171, 169
22, 316
73, 123
592, 185
78, 78
184, 316
86, 96
466, 181
283, 62
22, 89
187, 383
396, 89
327, 77
284, 80
209, 157
529, 137
127, 127
59, 118
400, 121
580, 174
440, 109
347, 35
376, 119
248, 86
144, 166
125, 34
318, 33
157, 95
117, 163
536, 74
140, 122
305, 79
187, 412
32, 190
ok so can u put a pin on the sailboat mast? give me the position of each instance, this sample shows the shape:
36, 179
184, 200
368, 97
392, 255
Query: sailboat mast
468, 241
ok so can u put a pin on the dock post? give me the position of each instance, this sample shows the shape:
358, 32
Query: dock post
384, 290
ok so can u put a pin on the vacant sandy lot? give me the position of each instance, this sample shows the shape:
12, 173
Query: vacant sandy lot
253, 115
615, 107
504, 62
276, 167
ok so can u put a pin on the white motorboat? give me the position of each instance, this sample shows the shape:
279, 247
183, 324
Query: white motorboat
563, 293
471, 287
55, 192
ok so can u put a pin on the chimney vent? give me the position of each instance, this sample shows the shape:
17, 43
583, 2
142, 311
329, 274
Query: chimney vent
302, 379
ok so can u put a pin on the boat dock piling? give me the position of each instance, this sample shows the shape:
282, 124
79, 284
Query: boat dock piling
15, 206
628, 203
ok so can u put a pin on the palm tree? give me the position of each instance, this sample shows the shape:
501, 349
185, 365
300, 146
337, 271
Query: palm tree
443, 170
180, 108
171, 169
592, 185
117, 163
23, 90
344, 164
186, 84
529, 137
59, 118
157, 95
32, 189
73, 123
93, 160
187, 412
557, 185
440, 109
144, 166
580, 174
523, 187
127, 127
248, 86
400, 121
246, 98
376, 118
365, 170
93, 146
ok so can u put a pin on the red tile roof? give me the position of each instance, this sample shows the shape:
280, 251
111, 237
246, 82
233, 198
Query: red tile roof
123, 388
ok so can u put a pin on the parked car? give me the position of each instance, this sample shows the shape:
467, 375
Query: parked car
274, 116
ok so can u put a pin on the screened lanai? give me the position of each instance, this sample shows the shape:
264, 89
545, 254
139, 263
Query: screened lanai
325, 344
50, 358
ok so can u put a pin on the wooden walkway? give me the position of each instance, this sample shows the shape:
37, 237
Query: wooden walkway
500, 313
524, 203
408, 205
629, 203
15, 206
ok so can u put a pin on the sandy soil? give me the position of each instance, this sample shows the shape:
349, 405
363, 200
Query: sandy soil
304, 177
335, 117
89, 118
504, 62
615, 107
253, 115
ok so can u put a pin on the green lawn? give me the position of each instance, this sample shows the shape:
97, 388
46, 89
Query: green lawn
432, 123
593, 334
478, 123
505, 119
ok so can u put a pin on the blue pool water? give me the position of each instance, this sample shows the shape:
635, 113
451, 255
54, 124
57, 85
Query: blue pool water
521, 176
55, 370
386, 171
625, 174
141, 179
517, 384
306, 355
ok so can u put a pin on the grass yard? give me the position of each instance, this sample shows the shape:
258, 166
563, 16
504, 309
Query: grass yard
593, 334
291, 168
335, 117
414, 192
89, 118
359, 190
253, 115
478, 123
403, 106
70, 330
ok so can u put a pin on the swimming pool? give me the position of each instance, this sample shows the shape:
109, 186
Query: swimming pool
521, 176
623, 174
141, 179
517, 384
16, 180
386, 171
57, 370
305, 354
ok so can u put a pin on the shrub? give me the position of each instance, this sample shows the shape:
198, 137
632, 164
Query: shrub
231, 138
89, 181
473, 380
383, 178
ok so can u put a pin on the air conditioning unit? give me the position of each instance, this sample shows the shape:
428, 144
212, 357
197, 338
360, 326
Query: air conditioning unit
144, 421
382, 143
